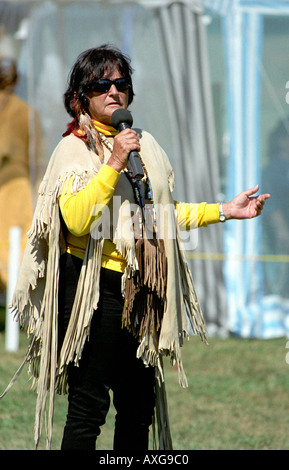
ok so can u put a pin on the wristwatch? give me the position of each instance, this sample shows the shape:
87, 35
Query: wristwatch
222, 217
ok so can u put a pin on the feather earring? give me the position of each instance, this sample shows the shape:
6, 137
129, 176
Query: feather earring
94, 142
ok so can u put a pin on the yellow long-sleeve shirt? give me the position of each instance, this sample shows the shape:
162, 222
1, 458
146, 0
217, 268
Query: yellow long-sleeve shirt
76, 212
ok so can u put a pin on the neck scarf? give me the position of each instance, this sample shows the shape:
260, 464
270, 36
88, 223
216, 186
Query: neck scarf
105, 128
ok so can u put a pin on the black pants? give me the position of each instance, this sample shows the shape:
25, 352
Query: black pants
108, 362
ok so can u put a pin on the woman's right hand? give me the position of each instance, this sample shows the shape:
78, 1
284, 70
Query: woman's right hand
124, 143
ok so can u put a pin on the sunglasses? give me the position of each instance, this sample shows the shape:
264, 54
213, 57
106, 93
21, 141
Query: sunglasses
104, 85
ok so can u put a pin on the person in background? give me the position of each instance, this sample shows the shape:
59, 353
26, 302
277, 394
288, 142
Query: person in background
275, 223
104, 288
16, 192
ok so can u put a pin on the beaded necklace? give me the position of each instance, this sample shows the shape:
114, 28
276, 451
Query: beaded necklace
144, 199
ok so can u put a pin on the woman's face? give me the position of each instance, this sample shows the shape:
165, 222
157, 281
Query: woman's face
102, 105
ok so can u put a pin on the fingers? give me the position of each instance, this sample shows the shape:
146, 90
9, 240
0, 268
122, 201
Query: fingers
259, 203
261, 197
251, 191
246, 205
259, 206
125, 142
265, 196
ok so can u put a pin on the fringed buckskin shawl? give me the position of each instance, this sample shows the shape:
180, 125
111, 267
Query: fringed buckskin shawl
35, 301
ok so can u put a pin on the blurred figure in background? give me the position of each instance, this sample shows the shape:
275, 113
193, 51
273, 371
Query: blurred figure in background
16, 205
276, 219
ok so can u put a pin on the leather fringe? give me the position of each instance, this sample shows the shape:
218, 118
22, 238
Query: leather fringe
145, 289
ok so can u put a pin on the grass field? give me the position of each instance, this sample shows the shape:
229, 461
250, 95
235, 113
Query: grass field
238, 399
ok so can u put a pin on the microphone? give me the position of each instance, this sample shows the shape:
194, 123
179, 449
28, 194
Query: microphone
122, 119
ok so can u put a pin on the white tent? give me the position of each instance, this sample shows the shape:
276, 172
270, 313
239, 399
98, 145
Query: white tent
254, 310
167, 43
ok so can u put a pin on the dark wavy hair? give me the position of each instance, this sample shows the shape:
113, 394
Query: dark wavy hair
90, 65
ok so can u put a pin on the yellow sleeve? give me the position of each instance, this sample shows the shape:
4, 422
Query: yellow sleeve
190, 215
76, 209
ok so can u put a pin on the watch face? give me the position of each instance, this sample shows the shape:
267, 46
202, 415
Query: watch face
222, 216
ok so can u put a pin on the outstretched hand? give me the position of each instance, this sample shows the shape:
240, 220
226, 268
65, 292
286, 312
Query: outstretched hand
245, 205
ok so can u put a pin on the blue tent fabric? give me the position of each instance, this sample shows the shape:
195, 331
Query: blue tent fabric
261, 6
243, 39
252, 312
